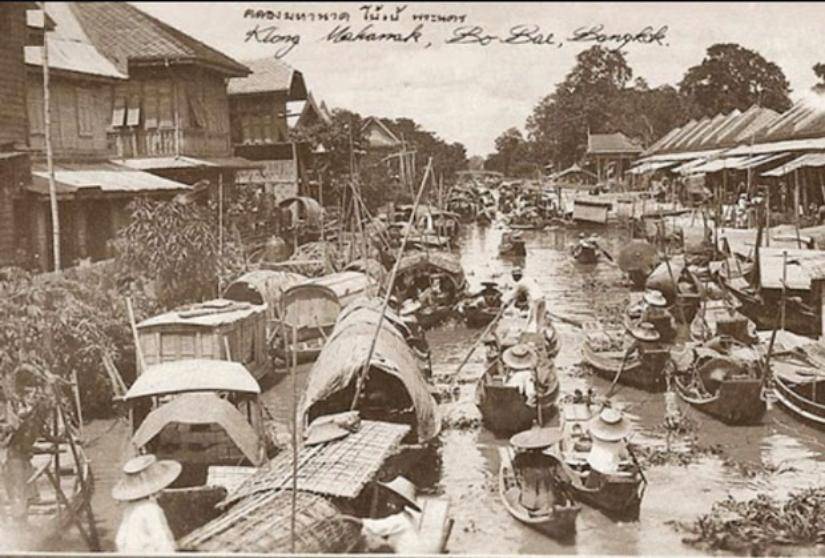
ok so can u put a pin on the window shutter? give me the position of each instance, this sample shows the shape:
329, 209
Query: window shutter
84, 112
35, 108
166, 114
119, 112
150, 105
133, 112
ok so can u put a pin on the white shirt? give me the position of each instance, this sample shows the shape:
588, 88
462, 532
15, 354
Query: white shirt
144, 529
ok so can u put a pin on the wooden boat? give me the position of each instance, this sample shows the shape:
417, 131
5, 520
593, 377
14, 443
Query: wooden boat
720, 317
619, 494
504, 406
217, 329
558, 518
799, 384
512, 245
429, 284
394, 388
312, 307
486, 216
585, 253
483, 307
644, 371
723, 384
177, 412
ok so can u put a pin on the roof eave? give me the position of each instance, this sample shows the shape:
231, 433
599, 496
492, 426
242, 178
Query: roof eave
228, 70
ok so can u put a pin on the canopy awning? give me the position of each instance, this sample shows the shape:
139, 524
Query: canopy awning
807, 160
716, 165
758, 160
181, 376
688, 166
100, 179
645, 168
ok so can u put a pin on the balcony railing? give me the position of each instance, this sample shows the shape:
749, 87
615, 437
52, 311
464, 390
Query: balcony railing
128, 143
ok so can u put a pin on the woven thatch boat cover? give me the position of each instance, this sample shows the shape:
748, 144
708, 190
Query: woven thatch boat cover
261, 524
343, 357
368, 310
310, 306
263, 286
203, 408
304, 207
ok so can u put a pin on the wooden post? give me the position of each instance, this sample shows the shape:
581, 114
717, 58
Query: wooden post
822, 309
138, 352
294, 439
220, 226
47, 133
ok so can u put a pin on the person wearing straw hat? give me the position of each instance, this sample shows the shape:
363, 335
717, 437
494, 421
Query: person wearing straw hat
520, 361
396, 529
144, 528
608, 432
654, 311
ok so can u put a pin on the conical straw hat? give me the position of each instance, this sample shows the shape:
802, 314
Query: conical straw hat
520, 357
405, 489
536, 438
145, 475
609, 426
645, 331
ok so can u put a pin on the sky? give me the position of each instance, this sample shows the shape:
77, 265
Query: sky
470, 93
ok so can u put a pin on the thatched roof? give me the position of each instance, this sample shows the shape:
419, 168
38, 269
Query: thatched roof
343, 357
262, 286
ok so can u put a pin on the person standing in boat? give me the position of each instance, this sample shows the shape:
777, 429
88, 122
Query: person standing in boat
144, 528
645, 339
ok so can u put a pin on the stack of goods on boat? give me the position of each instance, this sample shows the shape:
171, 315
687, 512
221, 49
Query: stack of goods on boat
639, 362
512, 244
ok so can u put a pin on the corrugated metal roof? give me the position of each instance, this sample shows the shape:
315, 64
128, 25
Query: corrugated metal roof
807, 160
717, 164
106, 177
72, 56
813, 144
184, 162
611, 143
683, 156
270, 75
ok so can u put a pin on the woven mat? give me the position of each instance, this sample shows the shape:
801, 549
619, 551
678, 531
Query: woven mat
339, 468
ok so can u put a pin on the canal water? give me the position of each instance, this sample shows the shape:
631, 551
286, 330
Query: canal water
775, 458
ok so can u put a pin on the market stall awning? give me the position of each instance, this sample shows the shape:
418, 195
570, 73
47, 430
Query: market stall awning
716, 165
758, 160
807, 160
102, 178
688, 166
645, 168
810, 144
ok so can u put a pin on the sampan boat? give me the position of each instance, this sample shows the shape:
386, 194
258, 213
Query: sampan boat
392, 390
799, 383
512, 400
618, 493
643, 370
725, 383
585, 253
553, 513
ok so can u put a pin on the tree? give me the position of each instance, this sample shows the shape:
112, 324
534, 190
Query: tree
734, 77
819, 71
584, 101
511, 148
176, 245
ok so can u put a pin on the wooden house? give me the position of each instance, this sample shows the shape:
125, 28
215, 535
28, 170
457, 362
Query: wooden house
612, 153
18, 28
218, 329
259, 107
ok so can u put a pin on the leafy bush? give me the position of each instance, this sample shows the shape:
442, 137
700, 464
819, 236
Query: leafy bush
176, 246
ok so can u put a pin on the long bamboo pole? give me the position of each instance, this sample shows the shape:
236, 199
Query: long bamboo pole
294, 367
362, 375
47, 130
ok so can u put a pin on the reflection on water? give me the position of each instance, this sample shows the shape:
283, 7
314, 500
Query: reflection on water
786, 454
